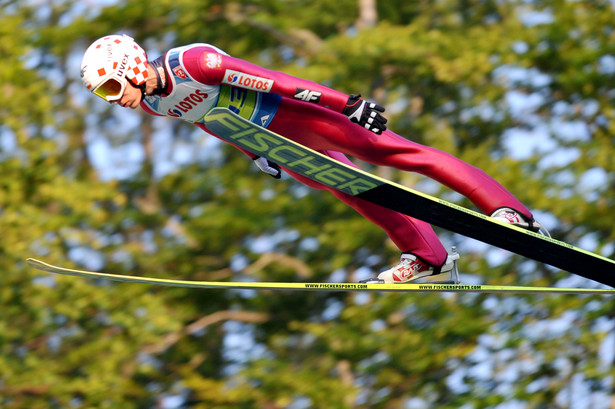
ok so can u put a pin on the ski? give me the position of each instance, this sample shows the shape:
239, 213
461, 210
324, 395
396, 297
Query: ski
422, 288
298, 158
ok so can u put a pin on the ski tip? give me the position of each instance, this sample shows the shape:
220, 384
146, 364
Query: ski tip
37, 264
32, 261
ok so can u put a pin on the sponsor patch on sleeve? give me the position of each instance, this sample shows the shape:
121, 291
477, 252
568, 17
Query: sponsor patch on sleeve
307, 95
243, 80
180, 72
213, 60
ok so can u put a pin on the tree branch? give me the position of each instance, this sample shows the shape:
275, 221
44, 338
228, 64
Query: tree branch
228, 315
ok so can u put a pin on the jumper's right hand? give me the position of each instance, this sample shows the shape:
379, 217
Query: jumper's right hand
366, 114
268, 167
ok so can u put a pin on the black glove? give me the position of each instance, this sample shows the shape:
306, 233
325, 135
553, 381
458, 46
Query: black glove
269, 168
366, 114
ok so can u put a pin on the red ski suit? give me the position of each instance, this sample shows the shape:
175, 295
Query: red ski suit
201, 76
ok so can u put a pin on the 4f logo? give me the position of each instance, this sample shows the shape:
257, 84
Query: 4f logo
307, 95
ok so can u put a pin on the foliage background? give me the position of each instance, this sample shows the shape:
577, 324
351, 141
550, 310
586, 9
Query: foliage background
522, 89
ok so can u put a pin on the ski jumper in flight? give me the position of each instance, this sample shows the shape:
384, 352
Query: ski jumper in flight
189, 81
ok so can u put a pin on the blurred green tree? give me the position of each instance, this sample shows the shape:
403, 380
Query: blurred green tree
520, 89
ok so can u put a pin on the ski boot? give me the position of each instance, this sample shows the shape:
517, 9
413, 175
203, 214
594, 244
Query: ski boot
508, 215
411, 268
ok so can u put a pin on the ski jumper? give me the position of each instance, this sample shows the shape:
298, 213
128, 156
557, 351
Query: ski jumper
201, 77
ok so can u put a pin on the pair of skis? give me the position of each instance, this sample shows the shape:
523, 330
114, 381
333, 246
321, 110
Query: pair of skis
298, 158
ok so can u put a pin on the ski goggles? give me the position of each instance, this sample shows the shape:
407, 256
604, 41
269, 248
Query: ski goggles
111, 89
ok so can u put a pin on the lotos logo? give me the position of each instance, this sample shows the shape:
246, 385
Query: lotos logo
174, 112
185, 105
243, 80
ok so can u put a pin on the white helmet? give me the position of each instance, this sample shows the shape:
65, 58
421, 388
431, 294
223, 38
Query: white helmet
109, 62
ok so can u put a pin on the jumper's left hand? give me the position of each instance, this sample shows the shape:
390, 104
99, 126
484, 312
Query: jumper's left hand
366, 114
